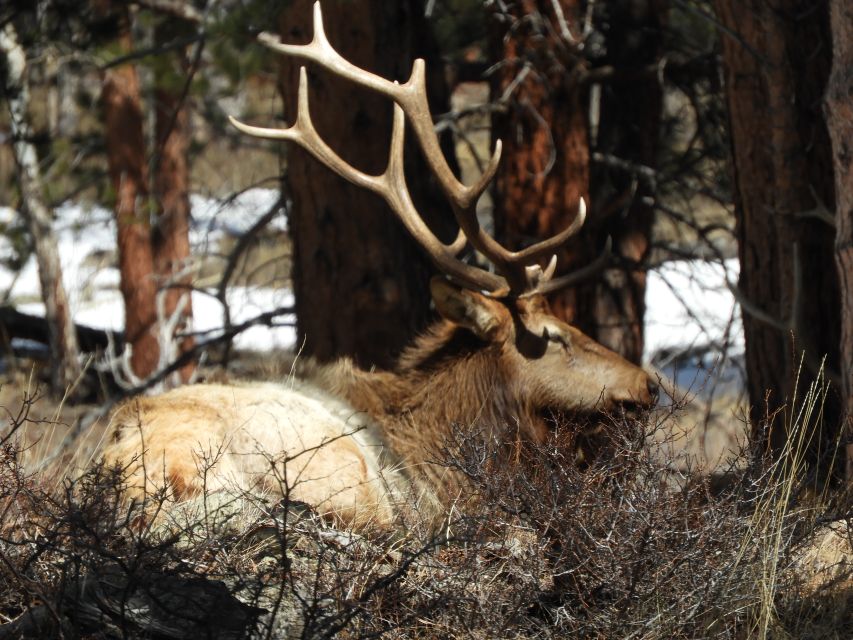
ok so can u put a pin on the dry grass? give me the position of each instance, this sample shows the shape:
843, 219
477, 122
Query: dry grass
46, 429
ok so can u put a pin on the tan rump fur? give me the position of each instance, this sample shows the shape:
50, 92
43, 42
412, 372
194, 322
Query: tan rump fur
281, 439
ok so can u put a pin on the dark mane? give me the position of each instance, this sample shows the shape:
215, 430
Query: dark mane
441, 343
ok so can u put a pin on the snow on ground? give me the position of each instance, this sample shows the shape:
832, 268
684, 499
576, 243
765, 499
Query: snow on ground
689, 307
86, 247
233, 216
694, 332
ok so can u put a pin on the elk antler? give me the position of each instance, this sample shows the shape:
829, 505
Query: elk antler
520, 275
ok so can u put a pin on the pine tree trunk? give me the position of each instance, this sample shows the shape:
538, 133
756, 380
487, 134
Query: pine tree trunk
839, 110
125, 144
360, 281
171, 244
782, 163
62, 337
628, 130
545, 167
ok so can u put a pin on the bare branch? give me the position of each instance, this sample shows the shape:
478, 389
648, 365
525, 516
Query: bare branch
646, 173
819, 212
177, 8
565, 32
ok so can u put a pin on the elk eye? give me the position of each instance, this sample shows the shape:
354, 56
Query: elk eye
557, 337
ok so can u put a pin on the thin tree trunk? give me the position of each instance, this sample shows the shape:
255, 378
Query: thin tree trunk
171, 242
65, 352
360, 281
782, 163
628, 130
125, 143
545, 167
839, 110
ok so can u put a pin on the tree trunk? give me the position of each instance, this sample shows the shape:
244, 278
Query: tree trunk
171, 244
360, 281
782, 163
125, 144
545, 167
628, 130
839, 110
65, 352
547, 153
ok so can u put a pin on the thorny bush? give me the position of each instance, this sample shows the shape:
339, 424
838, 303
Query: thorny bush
557, 542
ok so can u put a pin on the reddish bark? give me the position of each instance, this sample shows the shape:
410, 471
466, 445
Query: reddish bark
171, 245
545, 167
547, 154
781, 159
125, 146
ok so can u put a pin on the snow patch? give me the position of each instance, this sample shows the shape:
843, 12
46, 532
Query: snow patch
689, 307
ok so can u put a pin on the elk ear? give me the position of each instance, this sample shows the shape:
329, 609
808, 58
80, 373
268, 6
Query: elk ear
466, 308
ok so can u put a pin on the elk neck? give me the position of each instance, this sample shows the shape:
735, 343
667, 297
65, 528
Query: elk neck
447, 382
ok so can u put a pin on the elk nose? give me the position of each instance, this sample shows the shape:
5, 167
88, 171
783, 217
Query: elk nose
654, 391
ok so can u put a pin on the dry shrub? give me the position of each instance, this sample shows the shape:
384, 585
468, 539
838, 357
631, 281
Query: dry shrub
630, 549
618, 546
76, 560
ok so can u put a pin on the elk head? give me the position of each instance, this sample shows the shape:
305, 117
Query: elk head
547, 369
506, 309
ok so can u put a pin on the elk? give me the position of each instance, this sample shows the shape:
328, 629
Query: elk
358, 445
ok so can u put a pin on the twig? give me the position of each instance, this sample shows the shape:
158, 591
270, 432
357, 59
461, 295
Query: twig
646, 173
565, 32
139, 54
820, 211
517, 80
179, 9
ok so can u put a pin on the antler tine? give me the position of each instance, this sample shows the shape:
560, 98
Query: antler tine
543, 248
411, 96
390, 185
520, 268
547, 284
459, 243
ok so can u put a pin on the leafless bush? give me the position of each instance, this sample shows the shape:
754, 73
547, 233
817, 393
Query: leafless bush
589, 536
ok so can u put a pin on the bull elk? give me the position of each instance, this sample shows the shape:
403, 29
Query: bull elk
356, 444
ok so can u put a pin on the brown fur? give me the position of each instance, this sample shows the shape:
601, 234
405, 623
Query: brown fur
358, 444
